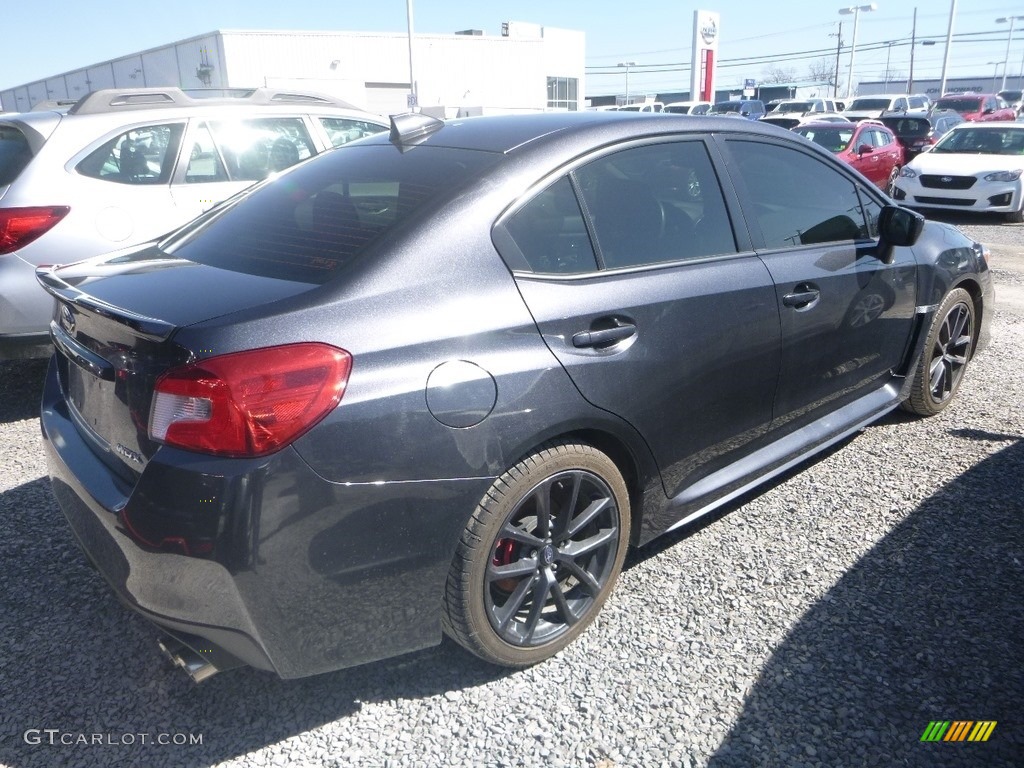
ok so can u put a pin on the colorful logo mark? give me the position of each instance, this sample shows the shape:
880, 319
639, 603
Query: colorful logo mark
958, 730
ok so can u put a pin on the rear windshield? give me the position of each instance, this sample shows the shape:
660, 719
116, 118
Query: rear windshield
908, 126
832, 139
726, 106
869, 104
14, 154
959, 104
307, 225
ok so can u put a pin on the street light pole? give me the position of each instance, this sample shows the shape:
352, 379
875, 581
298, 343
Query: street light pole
995, 69
627, 65
949, 43
888, 55
1009, 40
414, 98
855, 10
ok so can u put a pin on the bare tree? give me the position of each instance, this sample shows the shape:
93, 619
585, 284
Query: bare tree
823, 71
778, 75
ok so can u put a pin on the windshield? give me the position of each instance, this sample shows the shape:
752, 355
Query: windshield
832, 139
307, 225
959, 104
726, 106
869, 104
982, 141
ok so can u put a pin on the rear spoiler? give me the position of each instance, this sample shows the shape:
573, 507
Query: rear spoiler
148, 327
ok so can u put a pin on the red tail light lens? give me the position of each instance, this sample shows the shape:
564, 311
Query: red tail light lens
248, 403
20, 226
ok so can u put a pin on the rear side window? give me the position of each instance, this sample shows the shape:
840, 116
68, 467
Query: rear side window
140, 156
253, 149
15, 153
551, 233
342, 130
797, 199
309, 226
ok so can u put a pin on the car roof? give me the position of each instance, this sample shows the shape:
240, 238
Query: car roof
507, 133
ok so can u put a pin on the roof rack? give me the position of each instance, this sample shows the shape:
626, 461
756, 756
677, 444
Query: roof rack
121, 99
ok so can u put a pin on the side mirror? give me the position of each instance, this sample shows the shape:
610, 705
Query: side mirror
865, 149
897, 227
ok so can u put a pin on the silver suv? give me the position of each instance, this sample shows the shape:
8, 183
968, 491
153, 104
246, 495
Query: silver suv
121, 167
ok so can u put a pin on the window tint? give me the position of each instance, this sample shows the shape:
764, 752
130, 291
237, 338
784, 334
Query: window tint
14, 154
797, 199
254, 149
551, 234
656, 203
139, 156
342, 130
328, 213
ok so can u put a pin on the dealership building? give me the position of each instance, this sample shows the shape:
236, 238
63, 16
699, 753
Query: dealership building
524, 67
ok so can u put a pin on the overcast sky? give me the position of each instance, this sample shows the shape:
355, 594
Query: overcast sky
46, 39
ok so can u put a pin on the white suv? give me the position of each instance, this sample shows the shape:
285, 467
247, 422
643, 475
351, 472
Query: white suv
122, 167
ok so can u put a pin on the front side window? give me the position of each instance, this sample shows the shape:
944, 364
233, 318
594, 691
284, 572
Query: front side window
142, 155
797, 199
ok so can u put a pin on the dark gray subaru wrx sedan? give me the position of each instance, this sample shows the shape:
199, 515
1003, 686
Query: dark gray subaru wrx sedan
439, 381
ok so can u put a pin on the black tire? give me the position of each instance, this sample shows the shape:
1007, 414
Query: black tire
1017, 217
946, 354
539, 556
890, 185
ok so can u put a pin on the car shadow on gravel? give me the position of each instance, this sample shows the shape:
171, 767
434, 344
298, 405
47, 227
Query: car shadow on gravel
927, 626
74, 660
21, 387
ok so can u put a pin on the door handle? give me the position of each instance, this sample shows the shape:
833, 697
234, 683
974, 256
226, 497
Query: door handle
603, 336
803, 297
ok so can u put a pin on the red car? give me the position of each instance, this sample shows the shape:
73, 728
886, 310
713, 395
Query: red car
980, 107
868, 146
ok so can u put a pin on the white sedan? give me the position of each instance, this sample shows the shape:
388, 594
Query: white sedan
974, 167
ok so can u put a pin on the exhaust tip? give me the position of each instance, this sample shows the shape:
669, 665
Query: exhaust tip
194, 665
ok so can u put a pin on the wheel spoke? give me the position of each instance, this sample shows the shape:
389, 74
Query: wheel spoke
604, 538
542, 494
581, 521
564, 610
509, 531
565, 519
541, 589
582, 575
503, 615
518, 569
958, 324
938, 373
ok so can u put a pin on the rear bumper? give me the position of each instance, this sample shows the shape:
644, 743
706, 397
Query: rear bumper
305, 576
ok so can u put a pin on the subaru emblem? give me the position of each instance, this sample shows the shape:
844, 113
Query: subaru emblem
67, 319
946, 179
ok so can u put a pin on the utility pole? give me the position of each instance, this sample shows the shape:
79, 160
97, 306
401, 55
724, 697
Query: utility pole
949, 43
913, 45
839, 47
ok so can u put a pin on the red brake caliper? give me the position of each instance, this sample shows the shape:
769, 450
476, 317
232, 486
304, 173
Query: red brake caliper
504, 554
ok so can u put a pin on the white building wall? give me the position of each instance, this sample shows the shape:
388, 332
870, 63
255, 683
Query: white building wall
370, 70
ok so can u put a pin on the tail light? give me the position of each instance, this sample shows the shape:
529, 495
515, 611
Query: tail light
248, 403
20, 226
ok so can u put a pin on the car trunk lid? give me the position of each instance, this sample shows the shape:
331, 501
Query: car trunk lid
113, 330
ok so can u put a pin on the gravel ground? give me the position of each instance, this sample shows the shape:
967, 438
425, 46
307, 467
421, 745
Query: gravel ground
824, 621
